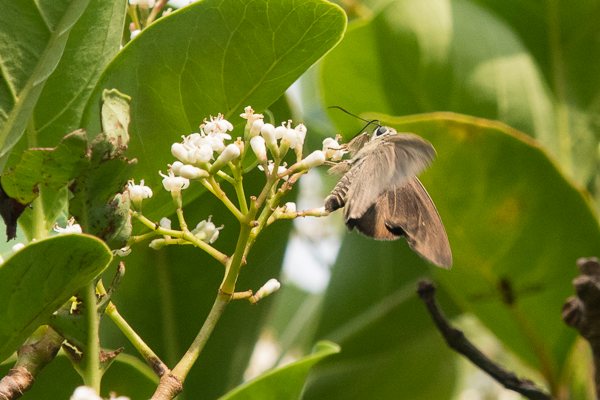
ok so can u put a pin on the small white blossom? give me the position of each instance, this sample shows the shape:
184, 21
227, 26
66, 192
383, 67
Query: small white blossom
290, 137
314, 159
85, 393
156, 244
270, 287
71, 227
17, 246
174, 183
250, 116
180, 151
137, 193
332, 149
258, 147
191, 172
300, 133
165, 223
207, 231
217, 124
203, 153
280, 170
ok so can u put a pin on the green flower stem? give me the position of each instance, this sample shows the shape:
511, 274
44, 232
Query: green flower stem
151, 358
191, 355
223, 175
181, 218
239, 187
92, 375
158, 7
187, 235
132, 11
233, 268
213, 186
39, 225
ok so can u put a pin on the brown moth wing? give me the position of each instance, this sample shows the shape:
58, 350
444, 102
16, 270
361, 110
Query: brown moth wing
384, 162
408, 211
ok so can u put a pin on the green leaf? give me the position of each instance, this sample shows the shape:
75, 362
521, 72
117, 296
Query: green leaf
525, 63
390, 348
208, 58
48, 168
34, 38
38, 279
284, 382
516, 226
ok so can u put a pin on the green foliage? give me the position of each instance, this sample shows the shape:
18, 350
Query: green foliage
30, 290
211, 59
284, 382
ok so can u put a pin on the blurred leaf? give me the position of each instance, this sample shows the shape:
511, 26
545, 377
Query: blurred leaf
389, 346
51, 168
97, 203
34, 37
435, 55
208, 58
127, 376
515, 224
285, 382
38, 279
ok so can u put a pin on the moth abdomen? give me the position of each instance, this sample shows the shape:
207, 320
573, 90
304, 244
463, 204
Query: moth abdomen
337, 197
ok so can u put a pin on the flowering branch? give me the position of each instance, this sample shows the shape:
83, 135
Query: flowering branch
202, 157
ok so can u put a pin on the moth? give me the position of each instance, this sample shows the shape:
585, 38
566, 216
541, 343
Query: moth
382, 196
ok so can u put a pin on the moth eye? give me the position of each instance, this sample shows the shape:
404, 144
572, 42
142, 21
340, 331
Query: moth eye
381, 130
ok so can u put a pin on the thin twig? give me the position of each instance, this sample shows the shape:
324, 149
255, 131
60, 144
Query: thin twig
582, 312
456, 340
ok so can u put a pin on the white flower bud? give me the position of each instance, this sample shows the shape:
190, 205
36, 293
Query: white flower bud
165, 223
314, 159
300, 134
267, 289
280, 131
157, 244
258, 146
180, 152
231, 152
256, 127
191, 172
176, 166
134, 33
268, 132
174, 184
85, 393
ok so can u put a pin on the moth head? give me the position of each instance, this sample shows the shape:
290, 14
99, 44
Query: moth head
383, 131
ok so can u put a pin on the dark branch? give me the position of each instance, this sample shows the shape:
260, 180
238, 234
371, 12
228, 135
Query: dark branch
34, 355
582, 312
456, 340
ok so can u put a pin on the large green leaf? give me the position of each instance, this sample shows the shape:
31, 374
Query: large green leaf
284, 382
438, 55
38, 279
213, 56
33, 36
516, 226
389, 347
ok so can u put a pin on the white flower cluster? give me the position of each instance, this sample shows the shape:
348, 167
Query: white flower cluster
196, 152
278, 140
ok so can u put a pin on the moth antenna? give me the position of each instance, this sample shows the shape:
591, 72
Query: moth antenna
369, 122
